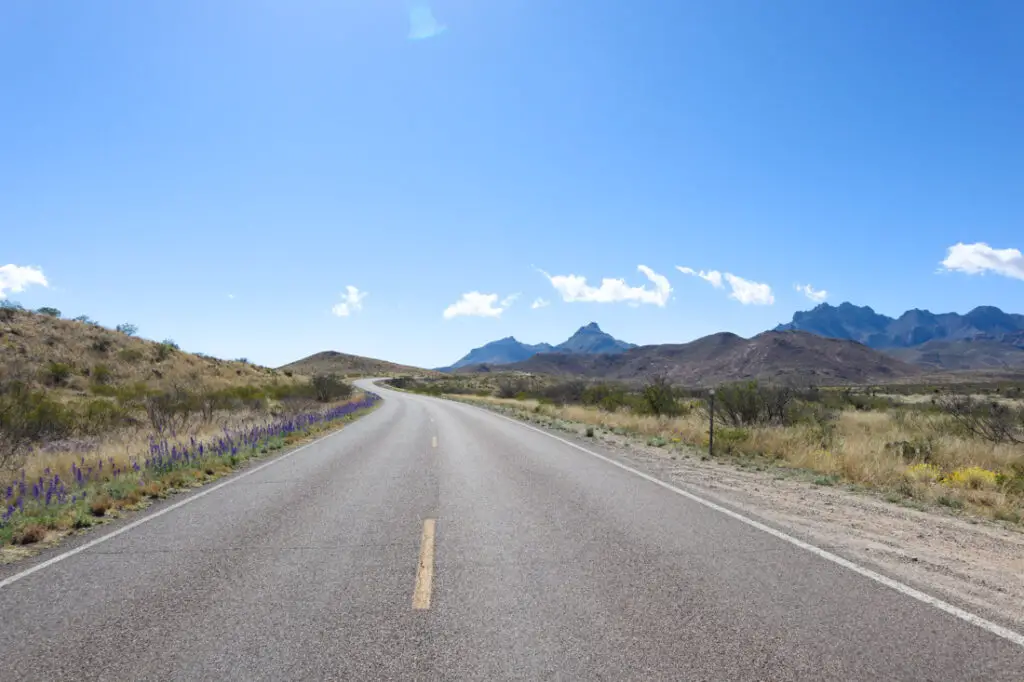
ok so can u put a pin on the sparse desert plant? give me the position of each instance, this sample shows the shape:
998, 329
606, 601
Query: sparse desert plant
57, 373
129, 355
991, 420
50, 312
923, 472
328, 387
971, 478
127, 328
659, 398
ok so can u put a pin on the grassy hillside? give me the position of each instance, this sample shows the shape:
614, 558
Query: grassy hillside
75, 359
93, 420
344, 364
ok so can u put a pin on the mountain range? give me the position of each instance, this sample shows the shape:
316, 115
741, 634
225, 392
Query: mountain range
588, 339
789, 356
984, 338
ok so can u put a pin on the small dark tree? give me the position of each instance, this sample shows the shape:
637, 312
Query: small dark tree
660, 398
51, 312
127, 328
328, 387
993, 421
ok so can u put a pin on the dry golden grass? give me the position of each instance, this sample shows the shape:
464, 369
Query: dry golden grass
864, 448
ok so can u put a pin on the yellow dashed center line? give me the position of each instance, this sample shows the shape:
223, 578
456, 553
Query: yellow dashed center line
425, 573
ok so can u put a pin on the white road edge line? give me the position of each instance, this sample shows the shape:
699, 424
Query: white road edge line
149, 517
902, 588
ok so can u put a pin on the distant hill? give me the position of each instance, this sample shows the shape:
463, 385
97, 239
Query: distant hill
501, 352
588, 339
793, 357
333, 362
967, 354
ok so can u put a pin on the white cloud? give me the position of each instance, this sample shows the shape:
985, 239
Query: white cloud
475, 304
713, 276
16, 278
351, 302
743, 290
810, 292
574, 288
749, 293
509, 300
978, 258
422, 24
231, 296
540, 303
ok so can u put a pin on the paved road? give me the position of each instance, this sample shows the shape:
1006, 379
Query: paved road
548, 563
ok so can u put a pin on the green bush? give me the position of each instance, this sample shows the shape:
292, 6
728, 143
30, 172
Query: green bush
101, 374
28, 417
749, 404
101, 345
164, 350
659, 398
127, 328
57, 373
605, 396
130, 355
328, 388
49, 312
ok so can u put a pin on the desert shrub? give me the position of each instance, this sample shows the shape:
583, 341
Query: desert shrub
728, 439
57, 373
172, 409
130, 355
101, 374
49, 312
973, 478
750, 404
923, 472
328, 387
989, 420
164, 350
659, 398
127, 328
29, 417
510, 387
564, 392
100, 415
606, 396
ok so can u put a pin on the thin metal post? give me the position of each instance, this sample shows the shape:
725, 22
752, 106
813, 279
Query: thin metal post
711, 430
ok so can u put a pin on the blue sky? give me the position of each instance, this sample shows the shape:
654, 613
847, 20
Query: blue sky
221, 173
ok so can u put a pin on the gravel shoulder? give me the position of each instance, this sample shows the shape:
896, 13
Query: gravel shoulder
976, 563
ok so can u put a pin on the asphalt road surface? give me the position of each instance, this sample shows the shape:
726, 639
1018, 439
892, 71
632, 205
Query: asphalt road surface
431, 540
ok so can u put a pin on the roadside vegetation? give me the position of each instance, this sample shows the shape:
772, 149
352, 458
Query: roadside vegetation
959, 446
96, 420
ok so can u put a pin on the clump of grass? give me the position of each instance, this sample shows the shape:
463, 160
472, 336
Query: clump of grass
100, 505
29, 535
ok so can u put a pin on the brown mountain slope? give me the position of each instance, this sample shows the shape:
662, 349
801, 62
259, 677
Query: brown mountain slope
796, 357
333, 362
965, 354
